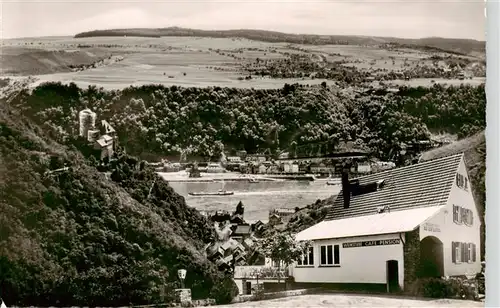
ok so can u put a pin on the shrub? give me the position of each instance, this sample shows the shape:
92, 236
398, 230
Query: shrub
446, 288
224, 291
439, 288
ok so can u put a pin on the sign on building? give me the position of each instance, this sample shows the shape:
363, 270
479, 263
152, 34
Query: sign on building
371, 243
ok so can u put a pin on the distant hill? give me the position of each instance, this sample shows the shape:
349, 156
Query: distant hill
463, 46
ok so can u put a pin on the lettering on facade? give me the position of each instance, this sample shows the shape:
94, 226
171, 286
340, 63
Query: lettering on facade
395, 241
432, 227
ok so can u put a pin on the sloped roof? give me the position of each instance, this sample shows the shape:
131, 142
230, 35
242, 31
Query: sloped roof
107, 138
420, 185
373, 224
107, 127
101, 142
242, 229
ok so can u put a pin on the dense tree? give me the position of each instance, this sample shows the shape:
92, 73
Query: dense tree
158, 121
281, 247
74, 238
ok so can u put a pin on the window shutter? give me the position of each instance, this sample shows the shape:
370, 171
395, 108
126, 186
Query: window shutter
473, 252
311, 255
471, 218
453, 252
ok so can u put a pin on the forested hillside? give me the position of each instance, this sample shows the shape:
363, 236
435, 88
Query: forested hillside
75, 238
154, 121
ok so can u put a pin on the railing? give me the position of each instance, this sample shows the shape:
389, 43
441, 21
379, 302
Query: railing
260, 272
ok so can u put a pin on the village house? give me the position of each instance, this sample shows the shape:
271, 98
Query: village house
290, 168
234, 159
255, 158
321, 168
105, 146
282, 212
241, 232
386, 229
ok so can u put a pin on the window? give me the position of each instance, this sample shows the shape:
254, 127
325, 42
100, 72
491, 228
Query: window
462, 215
307, 258
463, 252
330, 255
462, 181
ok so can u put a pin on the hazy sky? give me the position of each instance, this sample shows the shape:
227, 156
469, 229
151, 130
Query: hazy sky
399, 18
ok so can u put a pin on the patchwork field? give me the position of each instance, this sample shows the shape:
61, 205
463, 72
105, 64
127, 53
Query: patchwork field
117, 62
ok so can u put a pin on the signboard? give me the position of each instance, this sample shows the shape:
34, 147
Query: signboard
432, 227
395, 241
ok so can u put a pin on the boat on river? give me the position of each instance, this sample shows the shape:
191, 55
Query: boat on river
220, 192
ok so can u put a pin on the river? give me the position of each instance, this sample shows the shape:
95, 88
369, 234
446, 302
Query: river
258, 198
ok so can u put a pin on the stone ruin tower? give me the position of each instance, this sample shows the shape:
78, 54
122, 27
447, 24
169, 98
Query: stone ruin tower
87, 123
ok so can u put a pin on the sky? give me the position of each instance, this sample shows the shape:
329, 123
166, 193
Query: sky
394, 18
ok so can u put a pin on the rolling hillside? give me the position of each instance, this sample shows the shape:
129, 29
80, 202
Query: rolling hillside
463, 46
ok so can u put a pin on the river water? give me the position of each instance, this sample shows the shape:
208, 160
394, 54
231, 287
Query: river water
258, 198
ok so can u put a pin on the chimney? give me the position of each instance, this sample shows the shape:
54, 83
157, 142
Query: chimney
346, 187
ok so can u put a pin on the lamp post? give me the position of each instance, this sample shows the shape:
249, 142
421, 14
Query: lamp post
182, 275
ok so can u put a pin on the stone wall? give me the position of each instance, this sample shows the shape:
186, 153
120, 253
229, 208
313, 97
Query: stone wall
183, 295
264, 296
411, 254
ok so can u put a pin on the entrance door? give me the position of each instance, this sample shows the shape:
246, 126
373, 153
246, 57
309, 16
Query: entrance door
392, 276
249, 287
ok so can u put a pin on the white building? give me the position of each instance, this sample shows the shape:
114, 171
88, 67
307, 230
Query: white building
394, 226
215, 168
291, 168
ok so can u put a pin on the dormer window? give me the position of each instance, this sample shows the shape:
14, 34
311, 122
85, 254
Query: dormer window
462, 181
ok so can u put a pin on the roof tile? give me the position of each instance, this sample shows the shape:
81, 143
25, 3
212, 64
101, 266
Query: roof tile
420, 185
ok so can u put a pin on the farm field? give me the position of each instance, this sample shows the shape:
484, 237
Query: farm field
118, 62
339, 300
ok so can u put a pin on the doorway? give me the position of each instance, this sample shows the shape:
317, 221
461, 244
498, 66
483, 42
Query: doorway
392, 276
431, 257
249, 287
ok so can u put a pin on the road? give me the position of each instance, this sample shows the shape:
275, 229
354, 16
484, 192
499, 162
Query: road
341, 300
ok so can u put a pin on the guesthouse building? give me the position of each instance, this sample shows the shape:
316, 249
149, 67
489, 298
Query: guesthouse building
386, 229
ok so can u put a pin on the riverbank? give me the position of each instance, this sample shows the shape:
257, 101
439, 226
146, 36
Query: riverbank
183, 177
